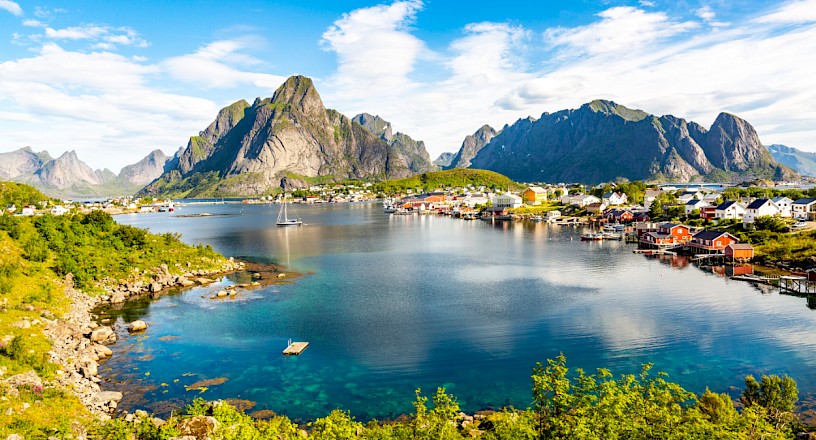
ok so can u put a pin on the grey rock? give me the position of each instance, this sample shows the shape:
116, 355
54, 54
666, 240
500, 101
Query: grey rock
103, 335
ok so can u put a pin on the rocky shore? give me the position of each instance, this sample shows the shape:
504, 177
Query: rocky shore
79, 343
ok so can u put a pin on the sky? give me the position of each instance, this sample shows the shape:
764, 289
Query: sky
116, 80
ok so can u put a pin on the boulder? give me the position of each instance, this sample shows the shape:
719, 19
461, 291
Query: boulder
118, 297
107, 400
202, 280
155, 287
137, 326
88, 367
103, 335
101, 351
184, 282
221, 293
199, 427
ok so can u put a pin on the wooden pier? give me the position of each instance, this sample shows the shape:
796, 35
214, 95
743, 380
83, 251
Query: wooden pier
295, 348
797, 284
654, 252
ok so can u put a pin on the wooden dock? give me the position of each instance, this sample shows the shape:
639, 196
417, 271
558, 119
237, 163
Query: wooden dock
654, 252
295, 348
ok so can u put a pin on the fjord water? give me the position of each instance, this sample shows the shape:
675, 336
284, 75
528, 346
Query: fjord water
394, 303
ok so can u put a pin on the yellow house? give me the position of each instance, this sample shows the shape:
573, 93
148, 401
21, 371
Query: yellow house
534, 195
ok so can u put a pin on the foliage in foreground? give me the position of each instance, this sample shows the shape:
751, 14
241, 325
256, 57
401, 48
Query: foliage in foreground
566, 405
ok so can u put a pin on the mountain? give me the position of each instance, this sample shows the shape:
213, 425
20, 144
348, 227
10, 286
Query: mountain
146, 170
413, 152
249, 149
21, 162
67, 176
471, 146
803, 162
444, 160
603, 141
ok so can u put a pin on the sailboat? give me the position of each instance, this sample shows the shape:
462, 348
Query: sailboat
283, 217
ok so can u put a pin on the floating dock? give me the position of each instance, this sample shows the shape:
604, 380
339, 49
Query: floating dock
295, 348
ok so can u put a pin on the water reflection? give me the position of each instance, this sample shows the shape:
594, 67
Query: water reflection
397, 302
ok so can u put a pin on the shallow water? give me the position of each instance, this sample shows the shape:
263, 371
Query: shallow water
395, 303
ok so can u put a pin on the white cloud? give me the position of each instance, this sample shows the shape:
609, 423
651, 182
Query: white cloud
98, 103
647, 3
212, 67
106, 37
621, 28
33, 23
793, 12
710, 17
375, 49
11, 7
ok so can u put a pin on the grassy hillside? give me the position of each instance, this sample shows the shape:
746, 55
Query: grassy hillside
459, 177
20, 195
35, 255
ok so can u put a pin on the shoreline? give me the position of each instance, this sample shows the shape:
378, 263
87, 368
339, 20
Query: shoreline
79, 342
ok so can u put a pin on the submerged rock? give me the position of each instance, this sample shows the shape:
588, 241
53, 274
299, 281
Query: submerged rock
137, 326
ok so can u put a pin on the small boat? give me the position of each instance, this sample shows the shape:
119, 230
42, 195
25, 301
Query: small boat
592, 236
536, 218
283, 217
388, 209
611, 236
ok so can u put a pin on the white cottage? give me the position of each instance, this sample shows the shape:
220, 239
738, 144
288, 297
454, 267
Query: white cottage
785, 206
729, 209
760, 208
507, 200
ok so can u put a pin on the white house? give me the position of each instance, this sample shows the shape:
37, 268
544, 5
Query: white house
28, 210
690, 195
59, 210
785, 205
613, 198
580, 200
800, 208
759, 208
729, 209
693, 204
507, 200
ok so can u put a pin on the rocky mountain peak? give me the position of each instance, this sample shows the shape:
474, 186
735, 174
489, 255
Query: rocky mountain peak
612, 108
473, 144
227, 118
298, 92
146, 170
375, 124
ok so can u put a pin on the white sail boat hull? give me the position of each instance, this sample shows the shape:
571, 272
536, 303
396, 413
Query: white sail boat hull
283, 218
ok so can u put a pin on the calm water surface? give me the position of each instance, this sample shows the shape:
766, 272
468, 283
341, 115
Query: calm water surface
393, 303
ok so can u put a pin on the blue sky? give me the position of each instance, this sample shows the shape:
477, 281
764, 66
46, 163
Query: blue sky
115, 80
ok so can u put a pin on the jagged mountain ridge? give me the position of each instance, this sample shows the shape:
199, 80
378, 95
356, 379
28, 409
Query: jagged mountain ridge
603, 141
414, 152
471, 146
67, 176
248, 149
802, 161
444, 160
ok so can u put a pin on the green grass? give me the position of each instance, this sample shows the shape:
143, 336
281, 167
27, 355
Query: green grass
455, 178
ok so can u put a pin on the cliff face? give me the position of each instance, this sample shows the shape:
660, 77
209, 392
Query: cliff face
146, 170
471, 146
413, 152
249, 148
603, 141
21, 162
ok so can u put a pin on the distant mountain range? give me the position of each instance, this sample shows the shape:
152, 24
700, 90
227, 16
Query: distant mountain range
68, 177
603, 141
250, 149
291, 137
803, 162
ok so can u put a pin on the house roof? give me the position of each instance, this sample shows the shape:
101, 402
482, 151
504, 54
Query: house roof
780, 199
693, 202
741, 246
708, 234
537, 190
670, 225
758, 203
728, 204
805, 201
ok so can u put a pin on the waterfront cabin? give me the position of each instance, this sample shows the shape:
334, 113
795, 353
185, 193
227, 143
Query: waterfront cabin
595, 208
730, 210
759, 208
507, 200
614, 198
11, 208
693, 204
552, 215
641, 216
739, 252
711, 242
804, 209
666, 235
494, 211
619, 216
784, 204
534, 195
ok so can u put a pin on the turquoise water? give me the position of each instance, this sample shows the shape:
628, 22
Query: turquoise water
394, 303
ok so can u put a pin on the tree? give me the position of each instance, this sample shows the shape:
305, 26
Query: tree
776, 395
